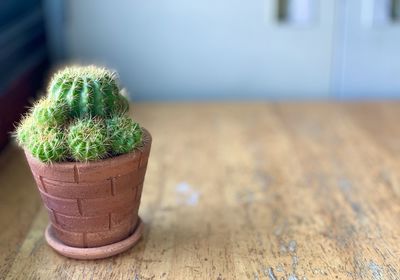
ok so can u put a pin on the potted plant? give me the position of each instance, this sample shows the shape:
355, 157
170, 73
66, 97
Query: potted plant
89, 159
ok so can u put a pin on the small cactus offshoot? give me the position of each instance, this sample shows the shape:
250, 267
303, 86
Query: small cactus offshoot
87, 139
42, 141
125, 135
82, 118
25, 128
51, 112
48, 144
88, 91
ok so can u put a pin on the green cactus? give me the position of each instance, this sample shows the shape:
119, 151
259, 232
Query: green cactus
48, 111
25, 128
42, 141
82, 118
125, 135
89, 91
87, 139
47, 144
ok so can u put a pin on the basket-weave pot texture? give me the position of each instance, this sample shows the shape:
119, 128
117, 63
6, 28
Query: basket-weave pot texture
93, 204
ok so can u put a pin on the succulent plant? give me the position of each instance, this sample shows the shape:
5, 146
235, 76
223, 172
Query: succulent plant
83, 118
42, 141
125, 135
48, 111
24, 129
47, 144
87, 139
88, 91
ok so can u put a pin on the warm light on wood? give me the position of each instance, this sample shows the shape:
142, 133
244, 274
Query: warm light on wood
239, 191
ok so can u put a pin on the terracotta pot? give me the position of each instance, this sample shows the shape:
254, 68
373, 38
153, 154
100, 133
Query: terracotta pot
96, 203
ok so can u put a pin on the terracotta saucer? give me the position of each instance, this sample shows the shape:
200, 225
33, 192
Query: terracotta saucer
96, 252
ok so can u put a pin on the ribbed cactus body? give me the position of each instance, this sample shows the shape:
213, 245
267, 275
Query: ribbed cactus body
87, 139
82, 118
47, 144
125, 135
88, 91
49, 112
43, 141
25, 129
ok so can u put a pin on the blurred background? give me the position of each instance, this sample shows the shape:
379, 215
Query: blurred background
204, 50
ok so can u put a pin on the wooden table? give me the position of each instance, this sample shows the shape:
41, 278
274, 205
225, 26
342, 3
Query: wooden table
240, 191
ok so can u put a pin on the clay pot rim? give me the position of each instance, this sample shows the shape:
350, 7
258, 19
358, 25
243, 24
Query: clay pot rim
64, 164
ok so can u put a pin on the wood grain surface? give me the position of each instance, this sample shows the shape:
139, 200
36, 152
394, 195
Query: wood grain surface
239, 191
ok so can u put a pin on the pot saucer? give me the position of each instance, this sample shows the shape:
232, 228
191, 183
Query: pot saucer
95, 252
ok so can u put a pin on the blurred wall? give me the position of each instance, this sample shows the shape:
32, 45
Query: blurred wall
23, 59
236, 49
368, 43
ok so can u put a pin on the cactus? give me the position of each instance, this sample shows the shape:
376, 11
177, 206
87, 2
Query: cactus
81, 119
48, 111
42, 141
87, 139
47, 144
89, 91
25, 128
125, 135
